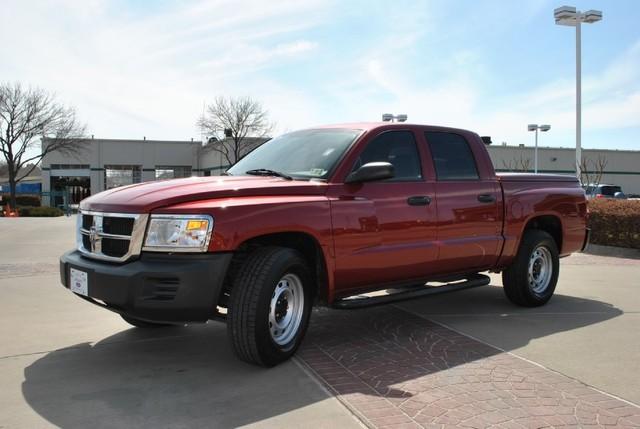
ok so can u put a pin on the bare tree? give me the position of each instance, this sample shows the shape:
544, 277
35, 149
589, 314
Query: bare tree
517, 164
25, 115
591, 171
233, 121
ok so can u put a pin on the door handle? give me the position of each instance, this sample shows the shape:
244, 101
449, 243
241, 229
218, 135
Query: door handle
419, 200
487, 198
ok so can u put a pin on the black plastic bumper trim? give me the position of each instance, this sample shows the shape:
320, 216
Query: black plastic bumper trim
169, 288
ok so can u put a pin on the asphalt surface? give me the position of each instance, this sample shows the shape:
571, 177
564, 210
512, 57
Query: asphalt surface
66, 363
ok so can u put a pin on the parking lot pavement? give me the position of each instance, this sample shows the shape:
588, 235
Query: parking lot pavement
396, 369
429, 362
182, 377
589, 330
66, 363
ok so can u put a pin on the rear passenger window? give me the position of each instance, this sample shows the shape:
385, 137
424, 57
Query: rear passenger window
452, 156
398, 148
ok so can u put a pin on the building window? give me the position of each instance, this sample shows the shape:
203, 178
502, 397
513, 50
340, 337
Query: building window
121, 175
172, 172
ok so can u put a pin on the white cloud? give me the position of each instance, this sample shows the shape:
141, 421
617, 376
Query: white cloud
147, 72
451, 93
246, 57
133, 72
611, 99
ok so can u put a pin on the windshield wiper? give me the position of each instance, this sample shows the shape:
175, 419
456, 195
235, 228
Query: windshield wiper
267, 172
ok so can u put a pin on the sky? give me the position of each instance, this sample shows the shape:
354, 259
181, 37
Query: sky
146, 68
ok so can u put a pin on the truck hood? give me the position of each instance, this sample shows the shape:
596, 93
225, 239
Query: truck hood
145, 197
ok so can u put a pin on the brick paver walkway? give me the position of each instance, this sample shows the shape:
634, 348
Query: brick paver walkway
395, 369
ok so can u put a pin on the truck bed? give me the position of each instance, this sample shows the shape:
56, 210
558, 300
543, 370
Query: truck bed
530, 177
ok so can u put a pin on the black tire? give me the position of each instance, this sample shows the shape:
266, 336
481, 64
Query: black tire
248, 314
143, 323
515, 279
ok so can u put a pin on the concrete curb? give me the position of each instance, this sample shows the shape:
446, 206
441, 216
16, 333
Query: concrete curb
616, 252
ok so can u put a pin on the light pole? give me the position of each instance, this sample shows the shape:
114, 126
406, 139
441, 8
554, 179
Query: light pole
568, 15
536, 127
390, 117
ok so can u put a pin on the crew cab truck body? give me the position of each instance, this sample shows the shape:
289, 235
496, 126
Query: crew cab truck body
321, 215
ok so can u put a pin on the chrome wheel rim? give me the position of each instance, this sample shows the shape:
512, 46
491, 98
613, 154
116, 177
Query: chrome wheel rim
540, 269
286, 309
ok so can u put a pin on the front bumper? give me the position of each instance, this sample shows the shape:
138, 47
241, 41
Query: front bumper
172, 288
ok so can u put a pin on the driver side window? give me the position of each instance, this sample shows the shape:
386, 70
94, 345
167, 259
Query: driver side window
398, 148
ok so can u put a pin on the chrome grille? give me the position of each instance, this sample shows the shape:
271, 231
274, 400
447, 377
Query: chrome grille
114, 237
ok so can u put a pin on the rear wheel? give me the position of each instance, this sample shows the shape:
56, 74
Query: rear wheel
531, 279
143, 323
270, 305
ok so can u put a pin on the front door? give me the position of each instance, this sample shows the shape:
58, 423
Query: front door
385, 231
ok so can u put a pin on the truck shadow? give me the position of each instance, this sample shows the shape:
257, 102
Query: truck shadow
188, 377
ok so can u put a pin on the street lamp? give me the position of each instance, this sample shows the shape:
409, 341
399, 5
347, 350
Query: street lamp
389, 117
568, 15
536, 127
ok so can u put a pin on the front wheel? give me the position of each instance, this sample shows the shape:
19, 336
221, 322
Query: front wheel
270, 305
531, 279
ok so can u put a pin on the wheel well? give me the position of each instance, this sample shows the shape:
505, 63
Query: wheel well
550, 224
304, 243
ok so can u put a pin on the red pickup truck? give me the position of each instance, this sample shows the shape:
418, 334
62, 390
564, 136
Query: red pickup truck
324, 215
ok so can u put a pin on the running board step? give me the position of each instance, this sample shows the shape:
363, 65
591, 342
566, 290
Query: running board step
401, 294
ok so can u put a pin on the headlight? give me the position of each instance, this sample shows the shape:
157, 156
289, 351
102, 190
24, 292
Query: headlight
178, 233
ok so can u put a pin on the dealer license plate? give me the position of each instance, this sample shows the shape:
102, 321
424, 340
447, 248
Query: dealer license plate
79, 282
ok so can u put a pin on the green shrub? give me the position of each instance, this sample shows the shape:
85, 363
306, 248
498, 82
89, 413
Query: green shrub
40, 211
22, 200
615, 222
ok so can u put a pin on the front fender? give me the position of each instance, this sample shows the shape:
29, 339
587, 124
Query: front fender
239, 219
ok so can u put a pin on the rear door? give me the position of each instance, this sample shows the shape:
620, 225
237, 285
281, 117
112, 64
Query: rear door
468, 220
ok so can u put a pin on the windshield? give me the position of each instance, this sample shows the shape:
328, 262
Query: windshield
307, 154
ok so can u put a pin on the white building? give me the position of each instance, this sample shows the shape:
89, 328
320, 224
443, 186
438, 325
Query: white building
622, 166
109, 163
